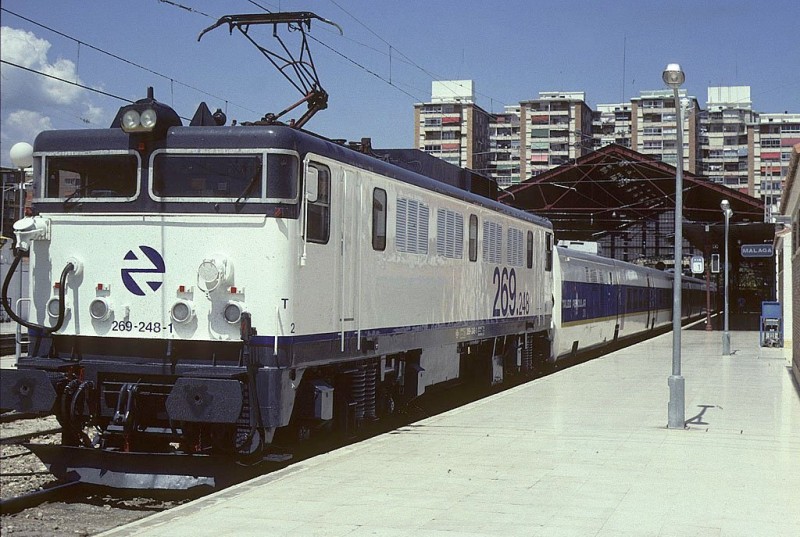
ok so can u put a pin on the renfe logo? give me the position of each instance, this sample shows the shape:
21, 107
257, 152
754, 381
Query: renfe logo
157, 263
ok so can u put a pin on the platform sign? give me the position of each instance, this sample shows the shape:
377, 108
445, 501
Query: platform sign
757, 250
698, 264
715, 263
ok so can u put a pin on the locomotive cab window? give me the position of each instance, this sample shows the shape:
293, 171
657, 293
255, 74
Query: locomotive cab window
318, 219
229, 177
379, 219
89, 177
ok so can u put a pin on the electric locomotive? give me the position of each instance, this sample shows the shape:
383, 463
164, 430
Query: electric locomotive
196, 290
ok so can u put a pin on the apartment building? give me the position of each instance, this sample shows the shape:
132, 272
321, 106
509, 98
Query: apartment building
655, 128
725, 142
452, 127
612, 124
504, 146
555, 128
772, 138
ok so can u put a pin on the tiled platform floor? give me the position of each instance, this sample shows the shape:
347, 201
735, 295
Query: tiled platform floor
583, 452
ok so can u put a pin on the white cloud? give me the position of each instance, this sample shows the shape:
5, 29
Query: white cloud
22, 47
28, 121
32, 102
23, 89
96, 116
21, 126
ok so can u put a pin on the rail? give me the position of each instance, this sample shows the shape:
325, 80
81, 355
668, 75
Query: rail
38, 497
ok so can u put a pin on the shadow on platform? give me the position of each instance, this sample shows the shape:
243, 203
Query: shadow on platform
736, 321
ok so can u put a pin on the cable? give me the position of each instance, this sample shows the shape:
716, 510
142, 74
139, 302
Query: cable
433, 76
189, 9
373, 73
101, 92
124, 60
75, 84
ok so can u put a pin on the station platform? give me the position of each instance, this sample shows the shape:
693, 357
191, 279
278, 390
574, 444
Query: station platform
584, 451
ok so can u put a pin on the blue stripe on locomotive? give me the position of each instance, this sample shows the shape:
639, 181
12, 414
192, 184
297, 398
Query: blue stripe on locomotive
583, 301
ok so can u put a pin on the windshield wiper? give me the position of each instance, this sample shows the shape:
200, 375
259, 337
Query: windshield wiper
80, 191
256, 177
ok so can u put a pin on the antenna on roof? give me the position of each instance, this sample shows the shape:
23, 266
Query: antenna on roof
298, 69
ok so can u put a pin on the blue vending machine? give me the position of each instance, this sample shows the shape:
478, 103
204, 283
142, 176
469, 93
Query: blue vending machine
771, 330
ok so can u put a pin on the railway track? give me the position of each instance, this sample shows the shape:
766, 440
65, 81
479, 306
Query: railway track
12, 416
29, 500
25, 437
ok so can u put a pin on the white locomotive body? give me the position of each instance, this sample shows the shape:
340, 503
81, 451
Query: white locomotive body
221, 284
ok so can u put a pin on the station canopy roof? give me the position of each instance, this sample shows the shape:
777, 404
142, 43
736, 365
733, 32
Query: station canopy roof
614, 188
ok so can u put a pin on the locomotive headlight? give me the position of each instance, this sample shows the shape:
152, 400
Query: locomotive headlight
52, 307
182, 311
130, 121
232, 312
100, 309
146, 116
214, 271
148, 119
135, 121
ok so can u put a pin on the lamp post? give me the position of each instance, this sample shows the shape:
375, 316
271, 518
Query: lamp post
22, 157
726, 335
674, 77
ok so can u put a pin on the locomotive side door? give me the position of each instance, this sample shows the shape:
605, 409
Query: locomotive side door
327, 290
350, 220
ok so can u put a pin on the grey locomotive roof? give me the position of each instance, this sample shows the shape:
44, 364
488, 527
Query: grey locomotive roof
260, 137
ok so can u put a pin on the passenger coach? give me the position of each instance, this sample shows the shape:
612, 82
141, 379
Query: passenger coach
599, 300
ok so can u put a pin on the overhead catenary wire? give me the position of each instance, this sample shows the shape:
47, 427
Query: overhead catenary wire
73, 83
344, 56
125, 60
391, 81
430, 74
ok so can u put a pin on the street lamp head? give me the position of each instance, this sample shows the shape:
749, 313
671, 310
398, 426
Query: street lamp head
21, 154
673, 76
724, 205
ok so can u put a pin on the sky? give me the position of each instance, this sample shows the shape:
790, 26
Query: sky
386, 59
